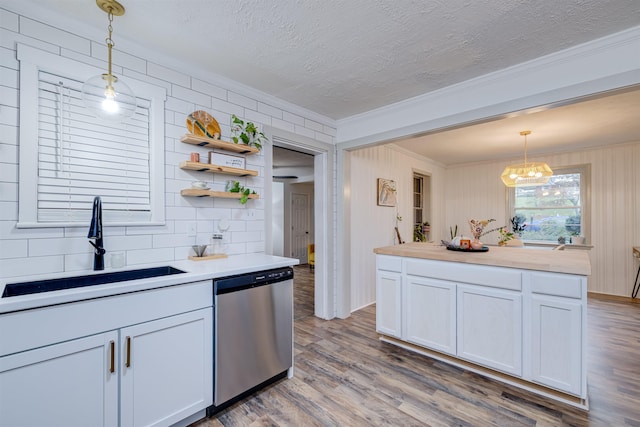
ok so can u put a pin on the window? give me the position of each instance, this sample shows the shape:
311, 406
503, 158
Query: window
67, 156
558, 209
420, 207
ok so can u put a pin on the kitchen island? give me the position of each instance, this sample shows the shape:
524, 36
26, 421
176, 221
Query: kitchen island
517, 315
127, 353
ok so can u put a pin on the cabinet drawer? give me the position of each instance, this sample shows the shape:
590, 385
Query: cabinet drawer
496, 277
389, 263
562, 285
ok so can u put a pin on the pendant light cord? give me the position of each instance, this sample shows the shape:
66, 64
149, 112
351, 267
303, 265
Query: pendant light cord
109, 40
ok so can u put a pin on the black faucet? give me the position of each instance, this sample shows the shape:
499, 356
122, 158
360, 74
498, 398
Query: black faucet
95, 232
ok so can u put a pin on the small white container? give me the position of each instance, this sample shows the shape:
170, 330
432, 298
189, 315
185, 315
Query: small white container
220, 159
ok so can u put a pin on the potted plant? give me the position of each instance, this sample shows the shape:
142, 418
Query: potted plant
246, 133
505, 236
518, 225
235, 187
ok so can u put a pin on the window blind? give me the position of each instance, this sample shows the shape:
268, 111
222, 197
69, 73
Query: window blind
81, 156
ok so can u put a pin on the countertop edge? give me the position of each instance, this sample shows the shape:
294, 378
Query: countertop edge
194, 271
568, 262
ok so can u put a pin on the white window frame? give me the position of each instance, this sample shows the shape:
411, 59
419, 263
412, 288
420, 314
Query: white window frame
32, 61
585, 198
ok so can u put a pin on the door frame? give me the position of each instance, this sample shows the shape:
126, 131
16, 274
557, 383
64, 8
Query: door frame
324, 173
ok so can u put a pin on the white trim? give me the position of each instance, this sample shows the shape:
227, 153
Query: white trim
33, 60
604, 64
325, 288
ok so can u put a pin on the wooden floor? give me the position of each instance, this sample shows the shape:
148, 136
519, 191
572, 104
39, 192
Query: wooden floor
344, 376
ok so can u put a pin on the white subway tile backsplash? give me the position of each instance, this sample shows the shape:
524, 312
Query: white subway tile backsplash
180, 213
167, 74
329, 131
172, 240
269, 110
301, 130
8, 20
8, 190
8, 153
71, 245
53, 250
13, 249
8, 211
293, 118
8, 115
189, 95
9, 77
322, 137
31, 266
45, 32
259, 119
77, 262
8, 58
313, 125
246, 102
281, 124
209, 89
149, 256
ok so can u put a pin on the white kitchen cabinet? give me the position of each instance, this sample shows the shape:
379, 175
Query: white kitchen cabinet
74, 383
489, 327
389, 296
165, 370
430, 307
556, 342
66, 364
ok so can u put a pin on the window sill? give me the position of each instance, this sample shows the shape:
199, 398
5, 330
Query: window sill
550, 245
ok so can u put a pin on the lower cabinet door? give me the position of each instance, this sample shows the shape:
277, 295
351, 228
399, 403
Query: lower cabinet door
556, 335
431, 313
167, 369
490, 327
388, 303
70, 384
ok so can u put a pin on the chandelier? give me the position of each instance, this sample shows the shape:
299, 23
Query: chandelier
105, 95
527, 174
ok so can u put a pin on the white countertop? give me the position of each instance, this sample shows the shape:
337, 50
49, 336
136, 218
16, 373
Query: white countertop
194, 271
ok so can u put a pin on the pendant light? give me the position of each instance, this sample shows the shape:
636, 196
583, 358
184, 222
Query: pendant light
105, 95
527, 174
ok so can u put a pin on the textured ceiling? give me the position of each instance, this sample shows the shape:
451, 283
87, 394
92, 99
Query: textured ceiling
344, 57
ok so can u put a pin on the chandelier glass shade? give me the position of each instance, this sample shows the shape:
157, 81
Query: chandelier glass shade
105, 95
527, 174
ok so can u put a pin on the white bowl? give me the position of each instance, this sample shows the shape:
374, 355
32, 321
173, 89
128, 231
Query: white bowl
199, 184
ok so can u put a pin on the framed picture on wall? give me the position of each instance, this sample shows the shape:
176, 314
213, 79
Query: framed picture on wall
386, 192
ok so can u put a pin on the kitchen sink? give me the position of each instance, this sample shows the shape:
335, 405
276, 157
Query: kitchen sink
38, 286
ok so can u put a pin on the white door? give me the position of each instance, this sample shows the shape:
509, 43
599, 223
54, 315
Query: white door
431, 313
72, 384
300, 224
490, 327
167, 369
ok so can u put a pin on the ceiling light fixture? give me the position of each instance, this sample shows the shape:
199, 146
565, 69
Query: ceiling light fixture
526, 174
105, 95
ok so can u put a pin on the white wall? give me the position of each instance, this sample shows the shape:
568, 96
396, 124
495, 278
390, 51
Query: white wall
476, 191
278, 218
34, 251
372, 226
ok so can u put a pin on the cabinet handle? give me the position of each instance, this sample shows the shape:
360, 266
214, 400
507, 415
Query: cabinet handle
127, 363
112, 363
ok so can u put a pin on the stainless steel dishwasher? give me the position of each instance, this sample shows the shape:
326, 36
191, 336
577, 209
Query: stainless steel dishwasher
253, 342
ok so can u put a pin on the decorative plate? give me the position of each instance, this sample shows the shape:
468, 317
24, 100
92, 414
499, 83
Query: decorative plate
201, 123
483, 249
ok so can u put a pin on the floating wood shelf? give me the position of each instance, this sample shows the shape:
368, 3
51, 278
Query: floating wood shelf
192, 192
203, 141
205, 167
207, 257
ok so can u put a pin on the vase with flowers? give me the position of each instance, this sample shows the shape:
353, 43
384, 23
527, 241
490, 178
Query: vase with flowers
505, 236
477, 231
